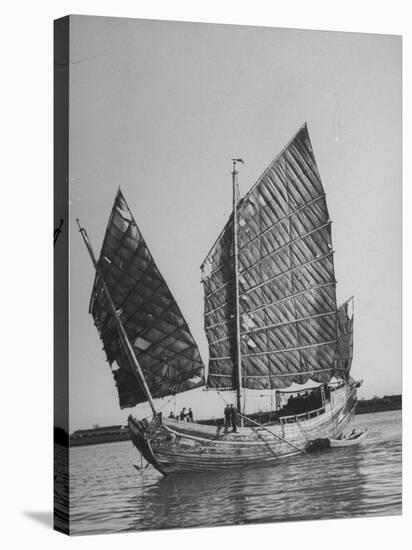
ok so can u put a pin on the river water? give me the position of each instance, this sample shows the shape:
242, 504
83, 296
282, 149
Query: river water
108, 495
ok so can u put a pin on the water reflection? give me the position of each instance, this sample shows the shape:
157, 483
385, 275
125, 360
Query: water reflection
61, 488
109, 495
328, 484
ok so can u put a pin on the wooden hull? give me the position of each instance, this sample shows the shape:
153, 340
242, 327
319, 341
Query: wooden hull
173, 446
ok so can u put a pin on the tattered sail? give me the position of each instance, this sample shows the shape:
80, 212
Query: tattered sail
344, 346
155, 326
287, 296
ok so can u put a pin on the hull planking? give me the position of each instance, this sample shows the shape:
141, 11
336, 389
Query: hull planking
172, 446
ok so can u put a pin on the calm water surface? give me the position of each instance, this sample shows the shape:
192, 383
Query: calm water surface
109, 495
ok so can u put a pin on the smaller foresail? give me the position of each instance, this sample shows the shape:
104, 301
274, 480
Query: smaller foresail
154, 324
344, 344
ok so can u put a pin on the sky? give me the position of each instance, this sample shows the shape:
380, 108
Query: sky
160, 108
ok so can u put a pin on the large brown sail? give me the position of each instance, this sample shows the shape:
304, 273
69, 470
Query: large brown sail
287, 295
155, 326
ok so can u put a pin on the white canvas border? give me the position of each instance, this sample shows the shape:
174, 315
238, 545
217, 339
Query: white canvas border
27, 268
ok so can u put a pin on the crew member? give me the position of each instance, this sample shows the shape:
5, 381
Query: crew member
227, 418
233, 418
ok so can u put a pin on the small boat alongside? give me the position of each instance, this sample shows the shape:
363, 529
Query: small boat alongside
348, 440
344, 440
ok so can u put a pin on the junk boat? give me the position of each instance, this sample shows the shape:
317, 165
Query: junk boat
270, 316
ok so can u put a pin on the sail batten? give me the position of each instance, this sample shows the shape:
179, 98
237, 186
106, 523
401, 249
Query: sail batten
265, 327
287, 286
154, 324
285, 218
265, 231
259, 308
271, 280
278, 375
270, 352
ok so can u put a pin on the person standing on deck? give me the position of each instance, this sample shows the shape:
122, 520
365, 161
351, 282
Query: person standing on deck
190, 416
233, 418
183, 414
227, 418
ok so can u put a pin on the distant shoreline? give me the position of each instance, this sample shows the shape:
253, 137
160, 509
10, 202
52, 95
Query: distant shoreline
379, 404
110, 434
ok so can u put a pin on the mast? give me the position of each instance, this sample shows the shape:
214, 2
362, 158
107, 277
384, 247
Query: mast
238, 356
137, 371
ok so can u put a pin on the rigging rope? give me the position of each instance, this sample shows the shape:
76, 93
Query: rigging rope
149, 416
274, 434
277, 456
304, 433
332, 405
266, 429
